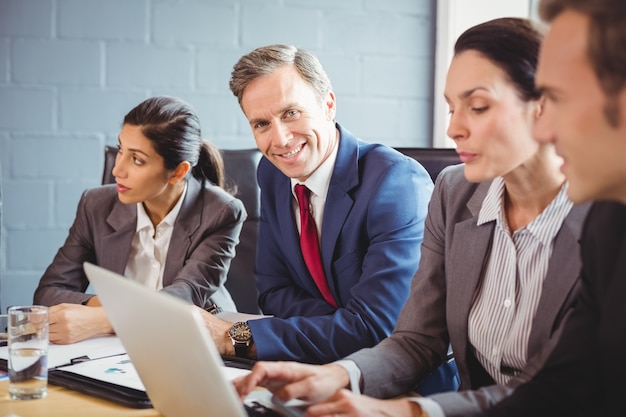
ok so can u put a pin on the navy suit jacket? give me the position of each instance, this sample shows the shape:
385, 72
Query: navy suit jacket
370, 245
585, 374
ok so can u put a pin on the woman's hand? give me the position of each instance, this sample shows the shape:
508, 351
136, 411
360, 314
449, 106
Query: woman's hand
71, 323
344, 403
288, 380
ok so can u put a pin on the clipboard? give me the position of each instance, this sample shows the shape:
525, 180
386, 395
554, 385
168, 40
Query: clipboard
116, 393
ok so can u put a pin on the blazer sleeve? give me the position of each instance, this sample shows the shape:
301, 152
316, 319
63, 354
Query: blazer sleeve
64, 280
419, 342
309, 330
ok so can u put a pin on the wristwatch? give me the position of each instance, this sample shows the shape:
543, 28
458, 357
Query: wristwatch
241, 336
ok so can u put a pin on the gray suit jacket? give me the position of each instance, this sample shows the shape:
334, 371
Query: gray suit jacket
454, 251
201, 247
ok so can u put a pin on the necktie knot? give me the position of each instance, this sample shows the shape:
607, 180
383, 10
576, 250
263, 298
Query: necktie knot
303, 194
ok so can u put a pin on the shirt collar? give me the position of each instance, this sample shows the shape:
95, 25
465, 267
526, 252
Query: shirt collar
319, 180
143, 220
544, 227
492, 204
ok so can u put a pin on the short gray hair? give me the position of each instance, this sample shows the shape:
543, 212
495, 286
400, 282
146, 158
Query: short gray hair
266, 59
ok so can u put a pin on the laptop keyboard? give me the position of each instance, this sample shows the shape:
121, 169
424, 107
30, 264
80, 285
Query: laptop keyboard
256, 409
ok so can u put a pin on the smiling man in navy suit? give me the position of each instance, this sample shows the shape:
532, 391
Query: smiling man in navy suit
368, 203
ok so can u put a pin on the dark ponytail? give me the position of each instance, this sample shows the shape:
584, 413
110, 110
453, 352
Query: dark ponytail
173, 127
210, 164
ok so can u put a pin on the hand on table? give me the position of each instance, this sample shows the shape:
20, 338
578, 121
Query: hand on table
218, 329
71, 323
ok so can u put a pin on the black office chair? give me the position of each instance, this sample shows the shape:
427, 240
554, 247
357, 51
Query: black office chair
240, 166
433, 159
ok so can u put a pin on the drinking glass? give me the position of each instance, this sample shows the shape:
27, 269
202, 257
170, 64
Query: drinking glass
28, 352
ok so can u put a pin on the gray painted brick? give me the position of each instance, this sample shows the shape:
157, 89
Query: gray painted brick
238, 141
328, 4
42, 61
66, 197
218, 114
136, 65
55, 158
27, 109
99, 110
18, 289
378, 33
195, 22
414, 123
421, 7
4, 60
344, 71
370, 119
32, 250
4, 157
295, 26
214, 68
26, 17
393, 122
97, 19
28, 203
397, 77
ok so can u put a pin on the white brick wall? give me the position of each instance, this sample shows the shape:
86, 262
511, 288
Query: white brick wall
71, 69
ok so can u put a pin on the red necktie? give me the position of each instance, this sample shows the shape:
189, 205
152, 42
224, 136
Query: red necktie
310, 244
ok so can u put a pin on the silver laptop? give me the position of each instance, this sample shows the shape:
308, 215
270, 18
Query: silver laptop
173, 353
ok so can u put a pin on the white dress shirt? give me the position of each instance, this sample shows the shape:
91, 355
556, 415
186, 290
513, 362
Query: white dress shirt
148, 251
318, 183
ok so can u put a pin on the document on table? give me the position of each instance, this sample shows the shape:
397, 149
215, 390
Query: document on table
119, 370
59, 355
234, 316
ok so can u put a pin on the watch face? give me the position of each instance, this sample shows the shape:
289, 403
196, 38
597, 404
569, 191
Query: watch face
240, 332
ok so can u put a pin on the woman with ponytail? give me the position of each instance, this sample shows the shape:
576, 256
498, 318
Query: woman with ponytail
167, 223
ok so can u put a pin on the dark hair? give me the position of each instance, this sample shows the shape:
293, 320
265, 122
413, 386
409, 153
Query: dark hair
265, 60
512, 44
174, 129
606, 47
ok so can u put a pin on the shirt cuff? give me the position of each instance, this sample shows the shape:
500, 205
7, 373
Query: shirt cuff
430, 407
353, 372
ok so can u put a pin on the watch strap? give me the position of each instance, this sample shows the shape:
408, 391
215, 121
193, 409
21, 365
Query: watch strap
241, 349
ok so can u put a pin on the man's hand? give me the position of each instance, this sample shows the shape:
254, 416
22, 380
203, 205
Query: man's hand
218, 329
71, 323
346, 403
288, 380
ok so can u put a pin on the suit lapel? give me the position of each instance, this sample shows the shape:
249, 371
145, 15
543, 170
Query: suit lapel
468, 254
338, 200
288, 232
562, 275
187, 222
123, 220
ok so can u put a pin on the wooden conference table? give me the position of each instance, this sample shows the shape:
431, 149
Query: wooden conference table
61, 402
